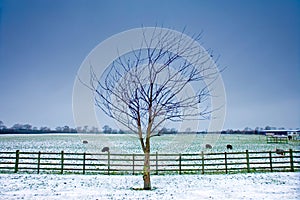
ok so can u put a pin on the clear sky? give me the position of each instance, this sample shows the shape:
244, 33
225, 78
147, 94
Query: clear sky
44, 42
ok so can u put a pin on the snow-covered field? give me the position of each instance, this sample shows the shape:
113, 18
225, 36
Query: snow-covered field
283, 186
127, 143
273, 186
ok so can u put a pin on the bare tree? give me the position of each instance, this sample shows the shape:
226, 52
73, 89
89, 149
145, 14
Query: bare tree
149, 86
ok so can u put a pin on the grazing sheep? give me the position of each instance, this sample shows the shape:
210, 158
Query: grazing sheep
279, 151
105, 149
208, 146
85, 142
290, 137
229, 146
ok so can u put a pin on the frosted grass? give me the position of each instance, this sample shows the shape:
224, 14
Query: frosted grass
130, 143
273, 186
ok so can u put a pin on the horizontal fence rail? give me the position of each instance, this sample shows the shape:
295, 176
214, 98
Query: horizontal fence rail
109, 163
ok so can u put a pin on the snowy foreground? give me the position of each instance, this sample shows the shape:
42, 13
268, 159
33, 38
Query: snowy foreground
237, 186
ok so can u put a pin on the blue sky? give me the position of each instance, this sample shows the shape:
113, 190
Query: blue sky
43, 43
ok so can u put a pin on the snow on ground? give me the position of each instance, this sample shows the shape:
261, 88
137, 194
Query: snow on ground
281, 186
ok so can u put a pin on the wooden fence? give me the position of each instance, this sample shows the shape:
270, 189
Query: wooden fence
109, 163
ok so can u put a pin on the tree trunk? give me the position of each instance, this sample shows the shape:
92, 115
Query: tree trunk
146, 172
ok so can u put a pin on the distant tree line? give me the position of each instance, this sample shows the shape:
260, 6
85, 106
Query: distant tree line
257, 130
27, 128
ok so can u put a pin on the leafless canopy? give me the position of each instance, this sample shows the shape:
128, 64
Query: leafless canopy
149, 86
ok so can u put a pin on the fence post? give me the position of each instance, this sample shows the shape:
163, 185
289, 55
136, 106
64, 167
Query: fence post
292, 160
156, 158
39, 162
226, 162
17, 161
62, 162
133, 164
180, 163
248, 163
83, 165
108, 163
202, 158
271, 164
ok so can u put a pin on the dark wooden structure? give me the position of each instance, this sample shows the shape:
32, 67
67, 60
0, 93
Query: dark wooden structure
109, 163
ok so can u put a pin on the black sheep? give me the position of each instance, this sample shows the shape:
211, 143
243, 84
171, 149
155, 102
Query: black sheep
85, 142
105, 149
229, 146
279, 151
208, 146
